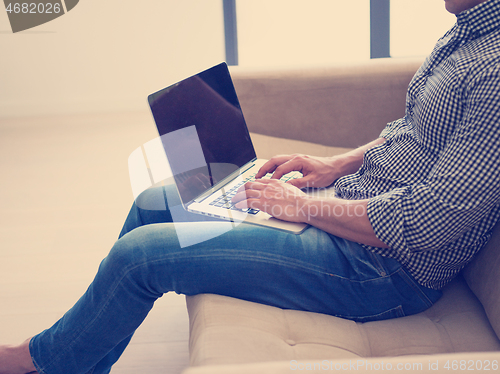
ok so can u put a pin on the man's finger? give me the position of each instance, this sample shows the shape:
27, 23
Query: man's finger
268, 167
304, 182
287, 167
271, 165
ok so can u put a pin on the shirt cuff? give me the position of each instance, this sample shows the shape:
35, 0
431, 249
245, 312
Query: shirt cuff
385, 214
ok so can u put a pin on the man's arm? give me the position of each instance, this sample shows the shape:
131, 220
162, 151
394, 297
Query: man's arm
344, 218
317, 171
347, 219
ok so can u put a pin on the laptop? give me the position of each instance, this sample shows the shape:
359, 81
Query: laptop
208, 146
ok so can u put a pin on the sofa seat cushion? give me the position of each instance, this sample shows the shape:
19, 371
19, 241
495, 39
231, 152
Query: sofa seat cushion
225, 330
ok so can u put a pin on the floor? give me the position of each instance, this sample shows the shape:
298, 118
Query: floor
65, 192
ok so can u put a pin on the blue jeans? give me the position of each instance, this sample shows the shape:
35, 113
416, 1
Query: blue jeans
313, 271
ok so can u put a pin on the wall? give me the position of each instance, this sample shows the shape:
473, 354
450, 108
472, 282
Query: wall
106, 55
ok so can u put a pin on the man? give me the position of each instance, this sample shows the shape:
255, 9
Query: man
425, 196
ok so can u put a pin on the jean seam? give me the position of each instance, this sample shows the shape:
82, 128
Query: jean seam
414, 285
278, 260
368, 318
378, 264
35, 363
293, 265
239, 254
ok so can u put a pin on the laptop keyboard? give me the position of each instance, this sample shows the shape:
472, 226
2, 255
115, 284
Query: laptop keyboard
224, 200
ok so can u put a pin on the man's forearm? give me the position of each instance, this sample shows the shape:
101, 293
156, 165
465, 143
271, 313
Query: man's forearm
347, 219
351, 161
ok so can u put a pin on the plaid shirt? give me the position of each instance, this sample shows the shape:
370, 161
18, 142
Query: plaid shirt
434, 184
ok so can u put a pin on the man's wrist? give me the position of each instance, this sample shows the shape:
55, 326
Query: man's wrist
350, 162
346, 164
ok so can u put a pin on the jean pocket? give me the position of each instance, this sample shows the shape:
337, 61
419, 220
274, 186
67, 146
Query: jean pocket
395, 312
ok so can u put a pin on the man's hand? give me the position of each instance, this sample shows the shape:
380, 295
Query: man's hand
344, 218
317, 171
281, 200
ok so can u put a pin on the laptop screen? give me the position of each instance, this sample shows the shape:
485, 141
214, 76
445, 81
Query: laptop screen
202, 129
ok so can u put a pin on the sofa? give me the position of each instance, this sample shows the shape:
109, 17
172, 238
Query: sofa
325, 111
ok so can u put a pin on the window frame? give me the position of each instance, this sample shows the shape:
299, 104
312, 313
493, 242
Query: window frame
380, 33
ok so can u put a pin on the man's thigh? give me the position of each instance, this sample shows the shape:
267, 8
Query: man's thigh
312, 271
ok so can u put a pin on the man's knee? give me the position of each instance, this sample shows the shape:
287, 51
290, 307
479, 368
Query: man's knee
126, 253
152, 199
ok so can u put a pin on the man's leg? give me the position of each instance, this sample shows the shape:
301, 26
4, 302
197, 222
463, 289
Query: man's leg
159, 205
312, 271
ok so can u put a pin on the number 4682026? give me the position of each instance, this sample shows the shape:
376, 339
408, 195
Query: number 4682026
480, 365
33, 8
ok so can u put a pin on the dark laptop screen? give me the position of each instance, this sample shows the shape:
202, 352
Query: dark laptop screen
203, 131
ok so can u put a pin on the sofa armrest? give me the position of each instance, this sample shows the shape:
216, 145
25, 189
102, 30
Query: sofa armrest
342, 106
456, 363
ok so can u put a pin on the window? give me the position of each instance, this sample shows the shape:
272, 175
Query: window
302, 32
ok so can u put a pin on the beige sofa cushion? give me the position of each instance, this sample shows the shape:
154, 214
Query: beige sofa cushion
268, 146
483, 277
224, 330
